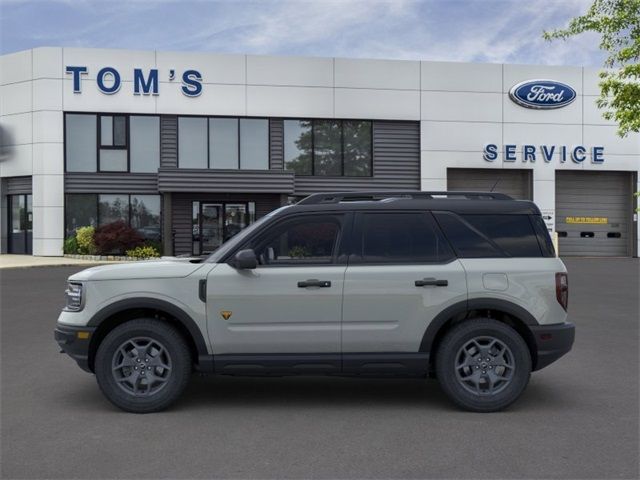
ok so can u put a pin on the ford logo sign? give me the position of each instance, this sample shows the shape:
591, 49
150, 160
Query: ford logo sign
542, 94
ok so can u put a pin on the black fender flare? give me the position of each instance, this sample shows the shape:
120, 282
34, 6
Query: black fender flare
466, 306
155, 304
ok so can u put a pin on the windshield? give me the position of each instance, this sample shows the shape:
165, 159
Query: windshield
236, 240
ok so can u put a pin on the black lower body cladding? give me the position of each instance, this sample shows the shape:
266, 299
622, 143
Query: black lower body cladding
552, 342
75, 341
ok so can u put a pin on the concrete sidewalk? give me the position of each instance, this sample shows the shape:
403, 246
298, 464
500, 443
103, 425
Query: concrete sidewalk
23, 261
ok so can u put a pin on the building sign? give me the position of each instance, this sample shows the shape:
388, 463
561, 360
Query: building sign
587, 220
108, 80
542, 94
545, 153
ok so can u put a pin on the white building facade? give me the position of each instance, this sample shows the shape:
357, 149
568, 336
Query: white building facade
190, 147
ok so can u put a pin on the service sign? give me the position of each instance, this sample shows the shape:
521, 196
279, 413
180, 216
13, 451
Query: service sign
542, 94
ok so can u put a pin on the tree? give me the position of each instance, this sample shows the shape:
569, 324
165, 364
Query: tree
618, 23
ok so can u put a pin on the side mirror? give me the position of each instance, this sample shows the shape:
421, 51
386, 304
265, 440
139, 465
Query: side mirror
245, 260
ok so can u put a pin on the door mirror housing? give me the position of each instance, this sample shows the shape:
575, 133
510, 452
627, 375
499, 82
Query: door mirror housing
245, 260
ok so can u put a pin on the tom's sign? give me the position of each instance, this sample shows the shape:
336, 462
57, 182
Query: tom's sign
109, 81
542, 94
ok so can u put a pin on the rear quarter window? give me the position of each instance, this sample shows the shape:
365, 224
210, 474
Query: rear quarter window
490, 235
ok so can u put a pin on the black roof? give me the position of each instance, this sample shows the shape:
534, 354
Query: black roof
457, 202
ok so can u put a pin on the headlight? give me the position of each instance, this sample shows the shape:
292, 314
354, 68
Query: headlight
73, 295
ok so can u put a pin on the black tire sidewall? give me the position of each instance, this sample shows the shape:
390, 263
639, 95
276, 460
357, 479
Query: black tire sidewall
170, 338
446, 358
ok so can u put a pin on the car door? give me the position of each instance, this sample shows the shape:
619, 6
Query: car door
401, 274
291, 303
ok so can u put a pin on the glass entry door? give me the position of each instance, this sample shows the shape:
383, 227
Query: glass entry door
20, 224
211, 227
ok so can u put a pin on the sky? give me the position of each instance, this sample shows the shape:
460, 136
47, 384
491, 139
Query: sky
495, 31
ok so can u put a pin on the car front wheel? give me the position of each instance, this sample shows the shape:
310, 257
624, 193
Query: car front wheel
143, 365
483, 365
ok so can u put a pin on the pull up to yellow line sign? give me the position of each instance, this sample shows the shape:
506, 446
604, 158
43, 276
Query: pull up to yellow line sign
588, 220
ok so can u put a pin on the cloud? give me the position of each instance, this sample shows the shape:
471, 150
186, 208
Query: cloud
457, 30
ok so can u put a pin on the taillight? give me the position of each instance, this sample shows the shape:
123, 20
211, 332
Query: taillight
562, 289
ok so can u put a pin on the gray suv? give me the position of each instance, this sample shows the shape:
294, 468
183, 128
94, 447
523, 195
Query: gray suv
461, 286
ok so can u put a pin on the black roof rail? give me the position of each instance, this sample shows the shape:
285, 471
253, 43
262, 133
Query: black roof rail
337, 197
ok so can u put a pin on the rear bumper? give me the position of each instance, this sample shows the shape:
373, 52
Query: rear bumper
74, 345
552, 342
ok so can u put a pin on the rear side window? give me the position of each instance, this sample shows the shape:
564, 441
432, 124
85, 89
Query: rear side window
546, 245
400, 238
466, 240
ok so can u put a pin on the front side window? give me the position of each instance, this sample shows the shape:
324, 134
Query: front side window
399, 237
302, 241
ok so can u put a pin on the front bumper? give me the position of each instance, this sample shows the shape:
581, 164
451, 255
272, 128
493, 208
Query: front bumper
75, 342
552, 342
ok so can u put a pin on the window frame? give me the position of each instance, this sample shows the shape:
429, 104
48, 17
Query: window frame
100, 147
313, 146
98, 116
341, 250
237, 118
356, 257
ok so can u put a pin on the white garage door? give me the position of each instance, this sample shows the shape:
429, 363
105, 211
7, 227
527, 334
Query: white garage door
594, 213
515, 183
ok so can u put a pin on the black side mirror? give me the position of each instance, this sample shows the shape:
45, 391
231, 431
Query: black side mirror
245, 260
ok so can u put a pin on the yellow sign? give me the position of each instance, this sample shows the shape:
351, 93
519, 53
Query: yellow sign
588, 220
226, 314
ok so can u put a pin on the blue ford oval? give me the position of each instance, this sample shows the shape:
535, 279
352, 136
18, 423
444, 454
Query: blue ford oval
542, 94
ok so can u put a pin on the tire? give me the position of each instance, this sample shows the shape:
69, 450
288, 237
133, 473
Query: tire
472, 382
143, 365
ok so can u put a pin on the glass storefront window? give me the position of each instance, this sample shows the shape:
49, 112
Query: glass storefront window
145, 216
113, 160
254, 144
357, 148
145, 143
80, 142
192, 142
327, 147
297, 146
81, 210
223, 142
213, 223
113, 208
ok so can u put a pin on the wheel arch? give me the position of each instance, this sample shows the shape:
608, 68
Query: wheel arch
117, 313
502, 310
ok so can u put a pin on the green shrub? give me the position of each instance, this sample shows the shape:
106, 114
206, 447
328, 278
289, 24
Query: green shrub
144, 251
71, 245
86, 245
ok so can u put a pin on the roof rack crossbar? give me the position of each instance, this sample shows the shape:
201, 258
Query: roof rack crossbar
337, 197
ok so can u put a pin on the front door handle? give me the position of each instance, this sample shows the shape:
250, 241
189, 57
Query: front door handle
314, 283
427, 282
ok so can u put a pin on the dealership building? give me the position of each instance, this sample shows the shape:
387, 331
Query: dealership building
189, 148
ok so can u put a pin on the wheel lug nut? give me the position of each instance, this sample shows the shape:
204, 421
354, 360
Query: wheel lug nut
483, 371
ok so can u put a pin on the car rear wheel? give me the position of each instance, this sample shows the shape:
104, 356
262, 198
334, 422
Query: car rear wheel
143, 365
483, 365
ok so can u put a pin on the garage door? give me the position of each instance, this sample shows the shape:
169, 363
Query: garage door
516, 183
594, 213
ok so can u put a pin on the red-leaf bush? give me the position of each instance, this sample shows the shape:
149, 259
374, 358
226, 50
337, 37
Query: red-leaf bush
116, 238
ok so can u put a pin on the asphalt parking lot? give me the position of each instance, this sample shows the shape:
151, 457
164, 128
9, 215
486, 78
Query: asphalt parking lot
579, 418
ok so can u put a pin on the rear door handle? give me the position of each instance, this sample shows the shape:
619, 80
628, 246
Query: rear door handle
314, 283
427, 282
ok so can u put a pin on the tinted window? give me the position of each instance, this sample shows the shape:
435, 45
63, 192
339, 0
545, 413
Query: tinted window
254, 144
327, 147
297, 146
192, 142
112, 208
145, 143
544, 240
512, 233
357, 148
145, 216
223, 142
298, 242
80, 142
81, 210
466, 241
400, 238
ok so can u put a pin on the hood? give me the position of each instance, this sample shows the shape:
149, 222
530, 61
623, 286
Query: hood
166, 267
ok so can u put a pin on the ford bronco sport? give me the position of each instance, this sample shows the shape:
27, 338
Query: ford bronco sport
461, 286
